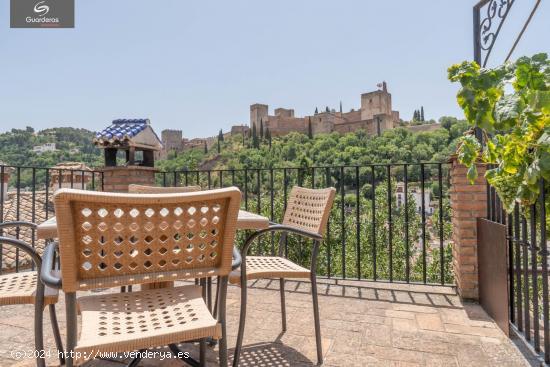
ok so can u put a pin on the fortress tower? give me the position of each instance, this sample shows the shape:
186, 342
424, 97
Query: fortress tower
258, 112
376, 103
171, 139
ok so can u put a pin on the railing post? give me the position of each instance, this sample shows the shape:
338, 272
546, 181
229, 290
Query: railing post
468, 202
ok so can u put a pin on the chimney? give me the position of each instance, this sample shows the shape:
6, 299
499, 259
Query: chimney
5, 174
137, 139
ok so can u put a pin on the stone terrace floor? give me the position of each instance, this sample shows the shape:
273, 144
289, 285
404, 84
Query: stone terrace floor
363, 324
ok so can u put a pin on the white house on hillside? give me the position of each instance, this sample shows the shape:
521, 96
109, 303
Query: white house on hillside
48, 147
417, 195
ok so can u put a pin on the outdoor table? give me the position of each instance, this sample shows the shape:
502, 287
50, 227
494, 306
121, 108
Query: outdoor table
246, 220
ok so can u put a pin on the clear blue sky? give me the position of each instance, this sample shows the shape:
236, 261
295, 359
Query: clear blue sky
198, 65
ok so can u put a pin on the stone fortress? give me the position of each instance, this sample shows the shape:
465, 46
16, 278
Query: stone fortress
375, 116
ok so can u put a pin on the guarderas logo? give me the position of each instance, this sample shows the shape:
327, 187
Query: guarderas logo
41, 9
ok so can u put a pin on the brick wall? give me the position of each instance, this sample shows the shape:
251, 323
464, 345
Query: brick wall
468, 202
117, 179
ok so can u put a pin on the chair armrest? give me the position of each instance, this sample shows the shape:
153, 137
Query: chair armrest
278, 228
23, 246
18, 224
48, 277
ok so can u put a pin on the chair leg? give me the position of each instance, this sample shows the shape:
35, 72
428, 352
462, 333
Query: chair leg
72, 325
202, 352
283, 305
56, 334
242, 319
39, 325
222, 319
215, 312
209, 293
317, 320
135, 362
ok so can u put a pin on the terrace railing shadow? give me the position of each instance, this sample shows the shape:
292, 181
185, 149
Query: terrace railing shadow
396, 293
271, 354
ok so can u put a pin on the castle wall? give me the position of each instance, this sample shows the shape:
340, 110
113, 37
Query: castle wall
239, 129
284, 112
279, 125
352, 116
352, 126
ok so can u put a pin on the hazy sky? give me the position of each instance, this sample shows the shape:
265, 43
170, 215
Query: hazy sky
198, 65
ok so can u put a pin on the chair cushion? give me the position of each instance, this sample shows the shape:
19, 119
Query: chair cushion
20, 288
259, 267
120, 322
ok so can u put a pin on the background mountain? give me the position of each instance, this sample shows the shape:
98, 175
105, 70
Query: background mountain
16, 147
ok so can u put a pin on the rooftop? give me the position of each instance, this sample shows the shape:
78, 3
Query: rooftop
362, 323
122, 129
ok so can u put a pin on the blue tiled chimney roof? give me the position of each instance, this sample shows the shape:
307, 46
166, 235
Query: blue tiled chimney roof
122, 129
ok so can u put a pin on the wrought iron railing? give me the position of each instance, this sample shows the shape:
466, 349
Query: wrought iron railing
365, 239
390, 222
529, 303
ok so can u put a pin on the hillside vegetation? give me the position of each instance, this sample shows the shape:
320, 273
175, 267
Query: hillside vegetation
16, 147
298, 150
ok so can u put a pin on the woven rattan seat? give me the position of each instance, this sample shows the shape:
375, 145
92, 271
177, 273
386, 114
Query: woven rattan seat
258, 267
125, 321
20, 288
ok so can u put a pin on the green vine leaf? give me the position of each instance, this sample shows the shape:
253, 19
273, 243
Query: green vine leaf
511, 104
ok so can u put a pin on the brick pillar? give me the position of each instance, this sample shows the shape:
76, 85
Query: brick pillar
117, 179
468, 202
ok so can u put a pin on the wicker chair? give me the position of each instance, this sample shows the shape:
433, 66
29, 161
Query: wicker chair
306, 215
111, 240
22, 288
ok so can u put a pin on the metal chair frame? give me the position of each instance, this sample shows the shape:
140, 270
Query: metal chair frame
285, 229
39, 296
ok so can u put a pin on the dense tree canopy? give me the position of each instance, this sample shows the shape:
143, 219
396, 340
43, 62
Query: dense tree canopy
298, 150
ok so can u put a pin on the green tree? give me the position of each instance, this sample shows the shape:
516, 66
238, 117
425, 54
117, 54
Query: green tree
309, 129
255, 140
205, 147
268, 137
447, 121
261, 128
422, 113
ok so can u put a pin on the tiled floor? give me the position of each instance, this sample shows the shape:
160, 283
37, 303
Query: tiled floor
363, 324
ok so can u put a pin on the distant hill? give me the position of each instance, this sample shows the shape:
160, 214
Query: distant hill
16, 147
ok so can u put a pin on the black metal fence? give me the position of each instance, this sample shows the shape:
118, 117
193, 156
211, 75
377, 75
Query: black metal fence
390, 222
529, 303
